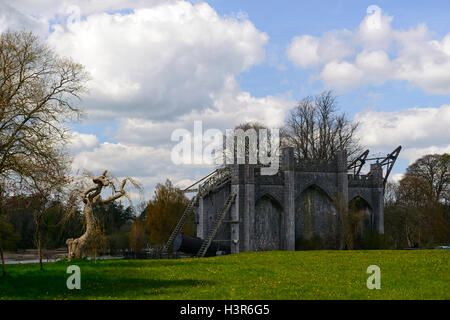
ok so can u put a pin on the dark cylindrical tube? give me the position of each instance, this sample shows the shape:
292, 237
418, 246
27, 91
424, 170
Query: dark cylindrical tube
191, 245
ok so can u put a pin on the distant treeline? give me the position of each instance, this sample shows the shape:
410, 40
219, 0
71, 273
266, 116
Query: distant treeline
114, 219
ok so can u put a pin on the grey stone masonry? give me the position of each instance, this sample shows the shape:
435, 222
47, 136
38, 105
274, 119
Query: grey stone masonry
298, 202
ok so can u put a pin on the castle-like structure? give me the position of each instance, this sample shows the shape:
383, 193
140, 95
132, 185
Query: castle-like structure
298, 203
240, 209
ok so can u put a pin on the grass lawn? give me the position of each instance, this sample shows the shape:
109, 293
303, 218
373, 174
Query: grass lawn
409, 274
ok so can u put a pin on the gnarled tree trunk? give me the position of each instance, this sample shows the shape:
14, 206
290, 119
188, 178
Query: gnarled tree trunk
76, 246
91, 198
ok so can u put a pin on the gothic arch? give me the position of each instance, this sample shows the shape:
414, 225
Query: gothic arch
363, 193
315, 216
360, 207
273, 198
273, 191
362, 199
267, 224
327, 190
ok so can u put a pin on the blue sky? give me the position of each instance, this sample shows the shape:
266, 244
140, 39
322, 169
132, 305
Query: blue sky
282, 20
161, 65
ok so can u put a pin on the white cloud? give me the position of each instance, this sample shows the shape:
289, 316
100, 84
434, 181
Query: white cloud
159, 62
423, 61
374, 32
341, 75
140, 160
303, 51
155, 68
412, 154
143, 146
82, 141
375, 53
231, 107
148, 165
12, 19
419, 130
49, 9
396, 177
306, 51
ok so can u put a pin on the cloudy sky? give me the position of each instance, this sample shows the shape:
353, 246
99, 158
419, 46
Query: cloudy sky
160, 65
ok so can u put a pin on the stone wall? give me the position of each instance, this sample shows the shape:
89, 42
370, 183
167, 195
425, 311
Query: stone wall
272, 212
316, 217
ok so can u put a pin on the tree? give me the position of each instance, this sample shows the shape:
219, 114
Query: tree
317, 131
38, 91
113, 216
435, 170
349, 218
96, 243
137, 235
20, 215
390, 191
414, 217
414, 192
424, 214
47, 183
8, 238
116, 221
251, 143
164, 211
57, 225
56, 229
91, 197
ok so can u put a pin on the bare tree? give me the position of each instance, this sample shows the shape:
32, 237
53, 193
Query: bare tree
91, 197
38, 93
46, 184
248, 141
317, 131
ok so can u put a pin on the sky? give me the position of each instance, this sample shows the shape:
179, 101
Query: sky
157, 66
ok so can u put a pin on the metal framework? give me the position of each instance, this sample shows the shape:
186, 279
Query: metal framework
358, 163
212, 181
388, 162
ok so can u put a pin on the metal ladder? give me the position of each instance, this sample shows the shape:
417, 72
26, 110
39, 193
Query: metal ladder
180, 223
215, 227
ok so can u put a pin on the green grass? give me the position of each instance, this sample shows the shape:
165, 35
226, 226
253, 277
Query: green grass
409, 274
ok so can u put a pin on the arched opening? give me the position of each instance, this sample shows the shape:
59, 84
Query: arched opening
361, 215
267, 224
316, 220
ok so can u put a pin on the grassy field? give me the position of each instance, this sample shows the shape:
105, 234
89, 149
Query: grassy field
410, 274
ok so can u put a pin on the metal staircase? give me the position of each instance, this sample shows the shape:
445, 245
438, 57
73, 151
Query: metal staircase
213, 181
216, 225
180, 224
